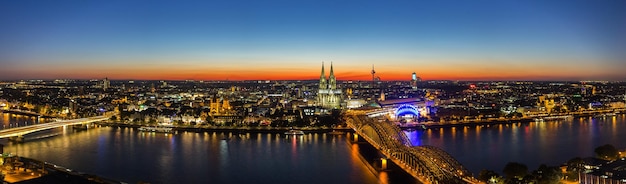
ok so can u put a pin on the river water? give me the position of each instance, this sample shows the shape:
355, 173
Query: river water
533, 144
129, 155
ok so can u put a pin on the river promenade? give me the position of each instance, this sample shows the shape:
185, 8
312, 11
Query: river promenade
233, 129
526, 119
27, 170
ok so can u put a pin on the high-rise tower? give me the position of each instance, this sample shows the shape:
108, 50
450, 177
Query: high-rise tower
373, 74
328, 96
414, 80
106, 83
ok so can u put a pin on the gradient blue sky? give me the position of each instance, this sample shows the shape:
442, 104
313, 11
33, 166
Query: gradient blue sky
458, 40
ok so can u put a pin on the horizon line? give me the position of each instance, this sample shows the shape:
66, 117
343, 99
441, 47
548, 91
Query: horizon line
243, 80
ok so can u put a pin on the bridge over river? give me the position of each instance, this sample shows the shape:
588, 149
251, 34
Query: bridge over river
20, 131
428, 164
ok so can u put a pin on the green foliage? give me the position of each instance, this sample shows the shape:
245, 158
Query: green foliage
548, 175
607, 152
574, 166
179, 122
514, 170
485, 175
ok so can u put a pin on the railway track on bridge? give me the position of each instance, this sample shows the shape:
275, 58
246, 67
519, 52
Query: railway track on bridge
428, 164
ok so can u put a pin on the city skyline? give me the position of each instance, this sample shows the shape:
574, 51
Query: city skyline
283, 40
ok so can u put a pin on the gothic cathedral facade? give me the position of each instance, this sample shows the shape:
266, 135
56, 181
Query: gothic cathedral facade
328, 96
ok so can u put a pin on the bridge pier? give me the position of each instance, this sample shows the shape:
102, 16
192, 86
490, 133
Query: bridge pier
356, 139
80, 127
17, 139
383, 164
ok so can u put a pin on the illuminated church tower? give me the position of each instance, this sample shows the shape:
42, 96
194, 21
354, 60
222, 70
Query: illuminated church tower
328, 96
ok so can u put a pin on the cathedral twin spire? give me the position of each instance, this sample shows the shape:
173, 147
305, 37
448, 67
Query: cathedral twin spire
328, 96
331, 83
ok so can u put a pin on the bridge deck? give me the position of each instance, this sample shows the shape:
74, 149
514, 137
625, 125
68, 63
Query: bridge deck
19, 131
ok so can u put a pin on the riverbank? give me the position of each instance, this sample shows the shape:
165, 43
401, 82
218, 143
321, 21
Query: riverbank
268, 129
31, 171
25, 113
513, 120
232, 129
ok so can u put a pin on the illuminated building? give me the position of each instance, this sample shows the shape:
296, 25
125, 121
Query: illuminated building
219, 107
106, 83
414, 80
373, 74
349, 93
328, 96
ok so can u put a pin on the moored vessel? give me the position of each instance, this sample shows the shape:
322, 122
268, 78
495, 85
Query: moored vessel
159, 129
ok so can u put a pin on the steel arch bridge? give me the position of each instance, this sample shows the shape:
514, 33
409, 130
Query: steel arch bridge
428, 164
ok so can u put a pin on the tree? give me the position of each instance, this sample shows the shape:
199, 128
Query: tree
514, 170
113, 118
179, 122
485, 175
574, 166
209, 120
548, 175
152, 121
607, 152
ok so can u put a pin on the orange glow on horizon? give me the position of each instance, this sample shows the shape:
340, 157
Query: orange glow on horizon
308, 71
296, 75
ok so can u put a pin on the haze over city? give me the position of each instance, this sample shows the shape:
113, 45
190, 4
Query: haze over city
276, 40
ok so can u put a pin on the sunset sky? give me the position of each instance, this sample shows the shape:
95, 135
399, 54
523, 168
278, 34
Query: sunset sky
242, 40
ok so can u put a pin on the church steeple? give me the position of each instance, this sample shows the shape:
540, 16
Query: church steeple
331, 79
332, 75
323, 84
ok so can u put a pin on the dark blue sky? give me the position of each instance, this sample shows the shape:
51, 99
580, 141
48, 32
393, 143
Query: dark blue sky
438, 39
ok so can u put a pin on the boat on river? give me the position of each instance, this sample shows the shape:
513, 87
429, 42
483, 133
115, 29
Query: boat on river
547, 118
294, 132
158, 129
413, 127
605, 115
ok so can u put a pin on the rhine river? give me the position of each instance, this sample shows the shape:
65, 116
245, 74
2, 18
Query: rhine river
128, 155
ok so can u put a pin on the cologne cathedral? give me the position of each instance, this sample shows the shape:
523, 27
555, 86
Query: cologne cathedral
328, 95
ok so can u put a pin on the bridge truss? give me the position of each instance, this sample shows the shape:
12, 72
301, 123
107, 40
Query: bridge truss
428, 164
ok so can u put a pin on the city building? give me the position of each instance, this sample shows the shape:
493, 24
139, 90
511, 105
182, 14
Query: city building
414, 80
328, 96
605, 173
106, 84
219, 106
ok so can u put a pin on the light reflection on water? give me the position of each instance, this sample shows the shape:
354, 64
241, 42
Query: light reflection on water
132, 156
15, 120
550, 142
